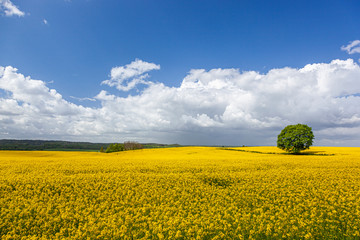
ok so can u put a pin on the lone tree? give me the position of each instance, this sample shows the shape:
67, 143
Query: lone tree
295, 138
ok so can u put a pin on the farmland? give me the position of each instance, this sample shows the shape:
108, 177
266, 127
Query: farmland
181, 193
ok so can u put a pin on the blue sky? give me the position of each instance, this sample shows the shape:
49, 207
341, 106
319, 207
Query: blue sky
72, 47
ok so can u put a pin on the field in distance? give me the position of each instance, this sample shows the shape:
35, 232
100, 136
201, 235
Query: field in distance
181, 193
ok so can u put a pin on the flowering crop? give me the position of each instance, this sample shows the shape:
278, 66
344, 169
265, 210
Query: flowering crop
181, 193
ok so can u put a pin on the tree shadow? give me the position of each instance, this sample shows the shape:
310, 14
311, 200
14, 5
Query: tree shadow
317, 153
312, 153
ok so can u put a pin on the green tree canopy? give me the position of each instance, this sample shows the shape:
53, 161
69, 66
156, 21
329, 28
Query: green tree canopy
115, 147
295, 138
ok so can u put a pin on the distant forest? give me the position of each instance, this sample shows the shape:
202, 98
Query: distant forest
44, 145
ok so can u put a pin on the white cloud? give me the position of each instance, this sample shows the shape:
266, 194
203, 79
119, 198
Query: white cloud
219, 106
32, 109
126, 77
352, 47
83, 99
10, 9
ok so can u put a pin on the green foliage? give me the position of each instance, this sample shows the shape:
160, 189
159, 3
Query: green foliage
115, 147
295, 138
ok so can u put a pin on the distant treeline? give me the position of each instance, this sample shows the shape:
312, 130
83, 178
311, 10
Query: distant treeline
50, 145
46, 145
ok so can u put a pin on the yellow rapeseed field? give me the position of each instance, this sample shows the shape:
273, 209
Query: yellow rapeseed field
181, 193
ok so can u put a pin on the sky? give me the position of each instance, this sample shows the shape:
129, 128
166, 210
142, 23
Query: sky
186, 72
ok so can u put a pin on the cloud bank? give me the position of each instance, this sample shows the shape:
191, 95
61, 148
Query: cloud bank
215, 107
9, 9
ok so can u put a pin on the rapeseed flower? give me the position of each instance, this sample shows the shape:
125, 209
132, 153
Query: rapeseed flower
181, 193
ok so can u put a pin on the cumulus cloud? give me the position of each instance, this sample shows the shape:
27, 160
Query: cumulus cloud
219, 106
10, 9
352, 47
126, 77
33, 110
